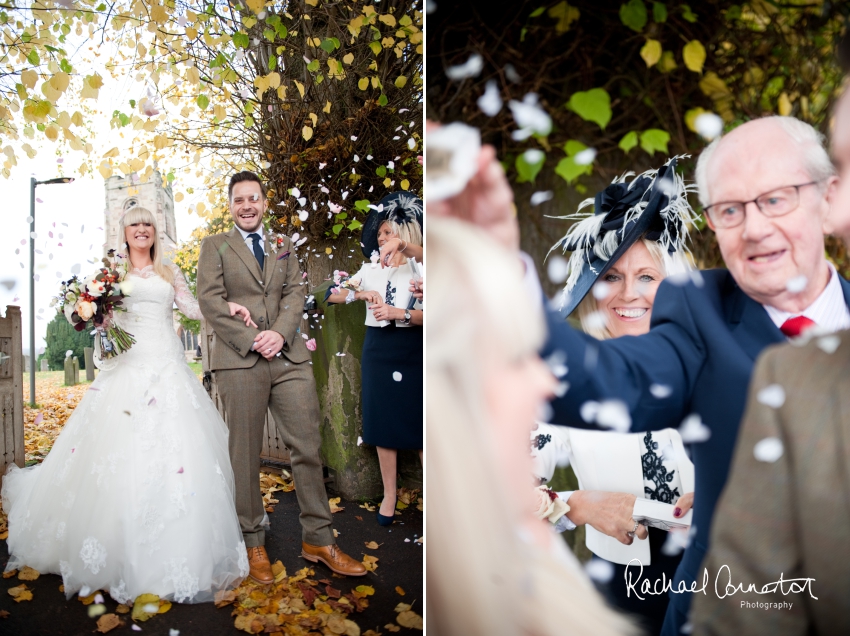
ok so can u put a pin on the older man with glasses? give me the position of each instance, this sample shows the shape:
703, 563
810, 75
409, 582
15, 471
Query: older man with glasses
764, 190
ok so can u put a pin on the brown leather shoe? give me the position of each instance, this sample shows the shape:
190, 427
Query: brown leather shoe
260, 567
334, 558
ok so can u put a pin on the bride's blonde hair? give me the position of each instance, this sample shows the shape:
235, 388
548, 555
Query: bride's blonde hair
481, 577
139, 214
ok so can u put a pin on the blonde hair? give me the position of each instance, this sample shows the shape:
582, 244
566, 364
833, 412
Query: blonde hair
139, 214
669, 264
481, 577
407, 232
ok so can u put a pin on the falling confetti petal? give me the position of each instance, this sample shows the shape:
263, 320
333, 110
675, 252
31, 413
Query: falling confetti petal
708, 125
693, 430
829, 344
471, 68
797, 284
768, 450
660, 391
601, 290
614, 414
772, 396
677, 540
396, 376
599, 570
585, 157
530, 118
490, 101
541, 197
557, 269
359, 441
339, 355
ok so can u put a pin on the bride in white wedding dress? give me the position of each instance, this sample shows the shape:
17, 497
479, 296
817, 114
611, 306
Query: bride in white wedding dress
136, 495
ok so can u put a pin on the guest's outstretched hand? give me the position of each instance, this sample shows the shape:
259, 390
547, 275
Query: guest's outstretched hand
608, 512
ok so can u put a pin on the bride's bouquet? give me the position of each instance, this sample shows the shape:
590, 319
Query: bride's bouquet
93, 301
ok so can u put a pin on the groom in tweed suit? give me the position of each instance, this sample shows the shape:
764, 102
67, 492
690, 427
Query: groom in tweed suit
247, 267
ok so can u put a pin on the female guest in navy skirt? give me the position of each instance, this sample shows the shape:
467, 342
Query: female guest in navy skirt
392, 354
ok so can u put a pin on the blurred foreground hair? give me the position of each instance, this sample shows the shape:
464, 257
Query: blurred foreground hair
481, 577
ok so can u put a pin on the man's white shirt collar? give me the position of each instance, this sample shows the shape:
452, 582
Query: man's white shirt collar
249, 241
829, 311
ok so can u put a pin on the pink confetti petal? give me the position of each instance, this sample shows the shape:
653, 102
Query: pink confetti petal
180, 471
39, 419
152, 401
39, 201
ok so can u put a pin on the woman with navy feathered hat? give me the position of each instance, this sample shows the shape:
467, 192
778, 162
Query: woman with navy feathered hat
632, 237
391, 364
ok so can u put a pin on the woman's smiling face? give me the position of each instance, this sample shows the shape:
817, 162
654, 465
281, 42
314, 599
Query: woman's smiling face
631, 285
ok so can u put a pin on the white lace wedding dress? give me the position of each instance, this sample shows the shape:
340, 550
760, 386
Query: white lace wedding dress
136, 495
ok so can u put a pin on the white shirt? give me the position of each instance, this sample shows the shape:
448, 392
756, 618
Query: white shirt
249, 241
829, 311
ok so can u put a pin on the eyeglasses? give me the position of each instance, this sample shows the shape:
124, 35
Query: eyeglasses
772, 204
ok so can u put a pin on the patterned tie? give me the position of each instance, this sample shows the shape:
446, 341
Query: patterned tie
794, 327
258, 250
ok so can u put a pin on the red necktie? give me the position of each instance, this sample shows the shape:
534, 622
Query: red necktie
795, 326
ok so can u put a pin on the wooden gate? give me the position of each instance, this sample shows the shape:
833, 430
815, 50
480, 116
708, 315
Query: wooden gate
11, 390
274, 454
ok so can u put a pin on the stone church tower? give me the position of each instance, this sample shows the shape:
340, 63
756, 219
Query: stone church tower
123, 193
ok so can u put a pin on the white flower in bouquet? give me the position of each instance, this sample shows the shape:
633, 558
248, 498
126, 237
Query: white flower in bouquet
126, 287
69, 310
549, 505
95, 287
85, 309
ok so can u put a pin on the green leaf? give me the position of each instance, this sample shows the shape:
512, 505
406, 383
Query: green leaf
689, 15
203, 101
132, 103
33, 58
272, 63
593, 105
241, 40
170, 177
633, 15
355, 225
65, 66
101, 7
528, 171
659, 12
269, 34
538, 11
569, 170
337, 228
313, 66
342, 216
573, 147
249, 121
26, 37
281, 30
381, 171
694, 55
363, 204
329, 44
382, 100
629, 141
376, 47
654, 139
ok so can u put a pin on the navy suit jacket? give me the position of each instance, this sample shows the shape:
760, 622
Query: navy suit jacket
703, 343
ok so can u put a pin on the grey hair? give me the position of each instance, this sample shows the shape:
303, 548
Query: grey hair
814, 155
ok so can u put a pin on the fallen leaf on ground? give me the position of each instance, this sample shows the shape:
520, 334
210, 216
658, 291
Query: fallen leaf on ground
392, 628
140, 611
358, 517
369, 562
224, 597
4, 614
368, 590
62, 588
20, 593
407, 496
400, 590
372, 545
9, 574
409, 619
403, 607
108, 622
88, 600
122, 609
371, 632
368, 507
28, 574
334, 504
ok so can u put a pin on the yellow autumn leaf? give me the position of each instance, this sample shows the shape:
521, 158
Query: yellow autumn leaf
220, 112
348, 58
255, 5
667, 62
77, 118
694, 55
565, 14
158, 14
200, 208
300, 87
366, 590
399, 590
400, 81
691, 117
336, 500
409, 619
375, 81
28, 574
193, 75
405, 184
363, 84
388, 19
307, 133
651, 52
314, 118
191, 33
712, 86
142, 602
784, 104
178, 197
136, 165
20, 593
105, 170
281, 92
91, 86
111, 153
29, 78
312, 3
372, 545
327, 108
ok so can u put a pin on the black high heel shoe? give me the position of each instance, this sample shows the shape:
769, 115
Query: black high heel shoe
383, 520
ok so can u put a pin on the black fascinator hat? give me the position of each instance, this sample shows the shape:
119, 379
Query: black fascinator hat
401, 207
653, 205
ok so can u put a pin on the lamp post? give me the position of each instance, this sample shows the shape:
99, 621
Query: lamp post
33, 184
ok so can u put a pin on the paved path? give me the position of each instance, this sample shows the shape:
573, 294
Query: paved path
400, 564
